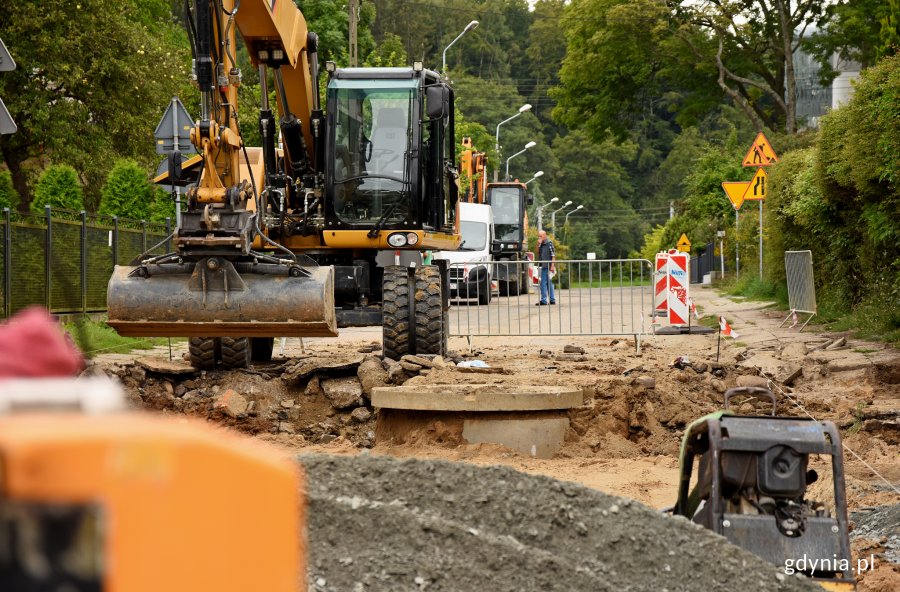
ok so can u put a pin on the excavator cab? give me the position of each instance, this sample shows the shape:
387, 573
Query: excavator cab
389, 139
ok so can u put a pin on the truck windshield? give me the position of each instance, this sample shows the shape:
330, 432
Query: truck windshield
506, 205
474, 235
371, 147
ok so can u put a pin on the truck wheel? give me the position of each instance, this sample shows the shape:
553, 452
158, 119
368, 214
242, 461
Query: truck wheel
431, 328
203, 352
484, 296
261, 349
395, 312
525, 282
235, 352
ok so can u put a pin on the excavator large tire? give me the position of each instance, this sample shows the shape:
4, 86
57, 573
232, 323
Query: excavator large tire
235, 352
430, 323
395, 312
429, 330
261, 349
203, 352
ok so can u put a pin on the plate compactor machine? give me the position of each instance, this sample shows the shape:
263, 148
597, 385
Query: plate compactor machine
302, 235
750, 487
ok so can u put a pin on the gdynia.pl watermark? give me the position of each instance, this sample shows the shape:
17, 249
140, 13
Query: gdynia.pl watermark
833, 564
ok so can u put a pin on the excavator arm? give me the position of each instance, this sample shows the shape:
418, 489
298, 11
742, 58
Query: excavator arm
215, 285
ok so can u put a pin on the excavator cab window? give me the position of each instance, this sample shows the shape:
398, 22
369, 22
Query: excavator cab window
507, 204
372, 145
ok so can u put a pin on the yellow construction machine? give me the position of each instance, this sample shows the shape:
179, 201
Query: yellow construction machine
304, 234
509, 201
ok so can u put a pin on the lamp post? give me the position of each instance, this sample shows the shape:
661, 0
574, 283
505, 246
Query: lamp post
469, 27
536, 175
566, 221
522, 109
540, 213
522, 151
553, 214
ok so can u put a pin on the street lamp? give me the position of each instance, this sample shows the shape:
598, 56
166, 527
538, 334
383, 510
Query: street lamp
566, 221
522, 109
536, 175
469, 27
553, 214
522, 151
540, 213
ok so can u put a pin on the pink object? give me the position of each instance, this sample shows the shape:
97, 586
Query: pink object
33, 345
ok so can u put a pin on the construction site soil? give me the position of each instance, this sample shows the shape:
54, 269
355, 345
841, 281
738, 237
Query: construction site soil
415, 520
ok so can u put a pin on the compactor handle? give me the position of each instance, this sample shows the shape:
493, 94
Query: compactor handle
753, 391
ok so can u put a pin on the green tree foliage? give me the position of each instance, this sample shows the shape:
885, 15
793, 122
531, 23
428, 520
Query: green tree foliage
94, 77
127, 192
8, 196
58, 187
162, 207
861, 30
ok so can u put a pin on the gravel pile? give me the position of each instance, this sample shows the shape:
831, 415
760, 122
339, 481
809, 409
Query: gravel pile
381, 524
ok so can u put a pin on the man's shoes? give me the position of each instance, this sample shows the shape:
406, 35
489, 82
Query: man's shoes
553, 302
542, 303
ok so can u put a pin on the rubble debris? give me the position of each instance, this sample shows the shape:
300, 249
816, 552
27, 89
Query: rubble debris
163, 366
231, 403
371, 374
571, 358
837, 344
329, 365
473, 364
573, 349
794, 351
758, 381
343, 393
361, 415
409, 366
417, 360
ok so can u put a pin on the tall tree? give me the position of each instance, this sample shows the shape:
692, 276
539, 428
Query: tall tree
755, 41
93, 78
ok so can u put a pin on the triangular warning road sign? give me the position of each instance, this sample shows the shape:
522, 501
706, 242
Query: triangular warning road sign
759, 186
684, 244
735, 191
760, 153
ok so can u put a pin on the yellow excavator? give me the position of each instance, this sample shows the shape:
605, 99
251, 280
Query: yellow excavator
304, 234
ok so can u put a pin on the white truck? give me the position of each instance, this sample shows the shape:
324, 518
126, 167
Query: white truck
471, 269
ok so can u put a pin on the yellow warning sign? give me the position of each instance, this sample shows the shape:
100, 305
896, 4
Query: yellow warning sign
758, 186
760, 153
684, 245
735, 191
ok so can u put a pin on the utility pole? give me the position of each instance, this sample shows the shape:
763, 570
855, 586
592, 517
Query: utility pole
354, 18
671, 209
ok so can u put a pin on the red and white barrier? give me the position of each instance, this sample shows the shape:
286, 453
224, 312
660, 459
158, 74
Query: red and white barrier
672, 288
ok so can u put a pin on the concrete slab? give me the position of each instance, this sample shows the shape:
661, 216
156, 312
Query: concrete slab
476, 397
536, 437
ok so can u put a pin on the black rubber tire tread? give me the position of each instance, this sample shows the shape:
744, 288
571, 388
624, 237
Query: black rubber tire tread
430, 323
484, 294
395, 312
236, 352
261, 349
525, 282
202, 351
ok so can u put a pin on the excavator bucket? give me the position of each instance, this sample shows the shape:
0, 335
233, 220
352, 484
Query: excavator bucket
221, 300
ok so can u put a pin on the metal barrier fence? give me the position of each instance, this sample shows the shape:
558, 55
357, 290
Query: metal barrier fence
63, 260
798, 266
592, 297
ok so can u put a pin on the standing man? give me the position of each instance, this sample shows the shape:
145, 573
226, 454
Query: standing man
547, 261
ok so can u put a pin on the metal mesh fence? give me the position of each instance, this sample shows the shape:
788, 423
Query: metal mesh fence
71, 275
801, 285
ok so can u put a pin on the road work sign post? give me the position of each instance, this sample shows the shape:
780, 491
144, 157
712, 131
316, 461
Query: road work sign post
172, 133
759, 155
